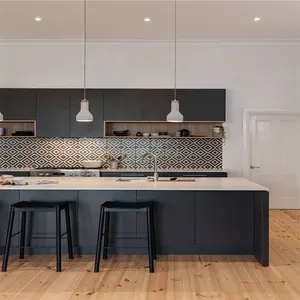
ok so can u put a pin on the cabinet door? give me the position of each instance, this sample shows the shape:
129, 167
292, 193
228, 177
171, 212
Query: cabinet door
43, 224
7, 198
224, 222
202, 104
174, 221
53, 115
90, 129
156, 104
122, 224
18, 104
123, 105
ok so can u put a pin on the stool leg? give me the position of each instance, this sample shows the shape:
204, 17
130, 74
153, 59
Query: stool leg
58, 239
69, 234
99, 240
8, 238
153, 232
23, 231
106, 235
150, 243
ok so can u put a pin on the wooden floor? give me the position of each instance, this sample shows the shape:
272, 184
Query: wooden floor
176, 277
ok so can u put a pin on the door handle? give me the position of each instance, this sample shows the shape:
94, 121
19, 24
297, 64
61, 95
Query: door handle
254, 167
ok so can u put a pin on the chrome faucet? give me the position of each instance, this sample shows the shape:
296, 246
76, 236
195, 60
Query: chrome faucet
155, 175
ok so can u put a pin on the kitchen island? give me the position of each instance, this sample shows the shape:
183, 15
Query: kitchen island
227, 216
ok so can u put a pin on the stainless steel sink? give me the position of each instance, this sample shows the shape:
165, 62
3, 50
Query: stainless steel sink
133, 180
178, 180
159, 180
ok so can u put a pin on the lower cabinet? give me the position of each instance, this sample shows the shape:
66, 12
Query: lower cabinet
43, 224
121, 224
224, 222
174, 221
7, 198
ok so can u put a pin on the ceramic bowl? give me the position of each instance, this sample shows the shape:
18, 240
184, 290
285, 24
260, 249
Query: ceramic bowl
154, 134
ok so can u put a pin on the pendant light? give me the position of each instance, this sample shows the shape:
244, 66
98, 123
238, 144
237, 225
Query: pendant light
175, 115
84, 114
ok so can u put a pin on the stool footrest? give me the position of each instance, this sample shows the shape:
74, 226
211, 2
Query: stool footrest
16, 233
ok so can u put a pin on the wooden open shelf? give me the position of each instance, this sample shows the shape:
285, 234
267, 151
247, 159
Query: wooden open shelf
197, 129
11, 126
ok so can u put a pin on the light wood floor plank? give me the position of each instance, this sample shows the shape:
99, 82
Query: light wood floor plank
176, 277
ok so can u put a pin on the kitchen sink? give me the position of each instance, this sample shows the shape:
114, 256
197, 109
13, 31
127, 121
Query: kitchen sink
159, 180
133, 180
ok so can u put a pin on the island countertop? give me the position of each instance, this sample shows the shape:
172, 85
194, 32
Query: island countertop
200, 184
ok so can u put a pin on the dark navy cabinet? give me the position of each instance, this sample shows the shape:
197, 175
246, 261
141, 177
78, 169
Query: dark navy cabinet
18, 104
228, 218
202, 104
121, 224
53, 113
174, 220
123, 105
89, 129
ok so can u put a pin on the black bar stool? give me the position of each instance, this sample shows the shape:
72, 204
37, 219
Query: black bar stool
103, 230
35, 206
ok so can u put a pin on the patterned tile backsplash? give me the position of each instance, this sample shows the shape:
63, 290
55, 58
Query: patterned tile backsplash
69, 152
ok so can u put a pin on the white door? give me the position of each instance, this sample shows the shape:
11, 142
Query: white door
275, 157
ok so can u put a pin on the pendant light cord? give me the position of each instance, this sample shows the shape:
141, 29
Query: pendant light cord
84, 48
175, 50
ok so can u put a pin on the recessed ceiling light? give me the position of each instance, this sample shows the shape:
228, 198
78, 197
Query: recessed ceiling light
38, 19
256, 19
147, 19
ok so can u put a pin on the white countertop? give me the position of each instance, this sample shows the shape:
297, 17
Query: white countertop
111, 183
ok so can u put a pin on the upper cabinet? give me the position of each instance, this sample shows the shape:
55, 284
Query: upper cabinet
90, 129
18, 104
53, 113
155, 104
123, 105
137, 104
202, 104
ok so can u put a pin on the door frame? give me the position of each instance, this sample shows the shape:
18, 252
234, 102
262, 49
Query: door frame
247, 114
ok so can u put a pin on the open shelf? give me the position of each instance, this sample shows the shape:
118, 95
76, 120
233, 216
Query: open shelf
13, 126
196, 129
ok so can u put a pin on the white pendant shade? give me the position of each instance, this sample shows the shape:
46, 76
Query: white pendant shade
84, 115
1, 117
175, 115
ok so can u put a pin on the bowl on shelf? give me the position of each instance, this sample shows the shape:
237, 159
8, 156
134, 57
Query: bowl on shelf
23, 133
121, 133
163, 133
146, 134
92, 164
154, 134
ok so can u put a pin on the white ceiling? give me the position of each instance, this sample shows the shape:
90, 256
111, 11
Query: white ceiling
124, 19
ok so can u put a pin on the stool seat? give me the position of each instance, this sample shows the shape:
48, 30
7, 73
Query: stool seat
36, 205
127, 205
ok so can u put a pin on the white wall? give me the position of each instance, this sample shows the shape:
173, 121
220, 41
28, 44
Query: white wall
256, 75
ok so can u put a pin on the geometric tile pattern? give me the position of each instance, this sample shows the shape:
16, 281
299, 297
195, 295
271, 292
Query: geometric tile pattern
69, 152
